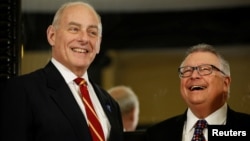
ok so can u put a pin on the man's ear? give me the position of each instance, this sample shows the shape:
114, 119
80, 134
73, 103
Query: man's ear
98, 45
51, 35
227, 82
131, 114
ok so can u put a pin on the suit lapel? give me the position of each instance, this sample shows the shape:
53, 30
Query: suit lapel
104, 101
109, 109
63, 97
232, 118
180, 121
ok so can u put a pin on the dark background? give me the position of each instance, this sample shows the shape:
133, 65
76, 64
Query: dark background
154, 29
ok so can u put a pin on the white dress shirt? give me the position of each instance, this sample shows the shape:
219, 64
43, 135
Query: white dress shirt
216, 118
69, 79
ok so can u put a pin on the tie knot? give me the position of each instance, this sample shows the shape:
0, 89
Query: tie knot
201, 124
80, 81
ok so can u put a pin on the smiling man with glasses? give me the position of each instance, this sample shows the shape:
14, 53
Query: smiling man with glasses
205, 86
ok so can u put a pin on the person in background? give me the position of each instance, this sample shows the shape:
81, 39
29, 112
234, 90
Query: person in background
129, 105
46, 105
205, 86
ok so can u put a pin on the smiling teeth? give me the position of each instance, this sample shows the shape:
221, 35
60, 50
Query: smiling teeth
80, 50
197, 88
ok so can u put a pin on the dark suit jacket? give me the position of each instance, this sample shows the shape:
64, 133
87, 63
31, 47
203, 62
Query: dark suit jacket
171, 129
40, 107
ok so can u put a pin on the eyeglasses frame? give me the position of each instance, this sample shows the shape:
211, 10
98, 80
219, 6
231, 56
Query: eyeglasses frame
196, 68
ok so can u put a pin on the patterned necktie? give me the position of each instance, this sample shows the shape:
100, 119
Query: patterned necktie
93, 121
198, 132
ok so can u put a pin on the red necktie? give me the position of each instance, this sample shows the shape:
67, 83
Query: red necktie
198, 132
93, 121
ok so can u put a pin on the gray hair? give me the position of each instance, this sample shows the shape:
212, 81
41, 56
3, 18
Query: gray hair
68, 4
125, 97
224, 65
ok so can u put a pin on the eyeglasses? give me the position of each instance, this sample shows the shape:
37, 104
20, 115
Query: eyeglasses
204, 69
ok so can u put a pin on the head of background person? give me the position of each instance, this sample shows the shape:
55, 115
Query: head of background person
75, 36
129, 105
204, 80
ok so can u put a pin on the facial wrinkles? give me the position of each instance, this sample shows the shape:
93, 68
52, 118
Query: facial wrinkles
59, 47
67, 40
62, 50
88, 24
202, 95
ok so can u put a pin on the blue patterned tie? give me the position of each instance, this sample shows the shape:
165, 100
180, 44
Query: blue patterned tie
198, 132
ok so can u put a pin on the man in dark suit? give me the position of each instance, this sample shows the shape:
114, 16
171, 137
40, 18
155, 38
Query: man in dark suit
205, 85
46, 105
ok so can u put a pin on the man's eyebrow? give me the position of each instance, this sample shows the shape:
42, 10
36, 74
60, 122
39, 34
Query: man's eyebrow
94, 26
79, 25
74, 23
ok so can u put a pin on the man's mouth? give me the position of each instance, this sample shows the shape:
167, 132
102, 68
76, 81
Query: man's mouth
80, 50
193, 88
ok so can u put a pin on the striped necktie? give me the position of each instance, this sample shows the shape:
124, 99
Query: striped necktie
93, 121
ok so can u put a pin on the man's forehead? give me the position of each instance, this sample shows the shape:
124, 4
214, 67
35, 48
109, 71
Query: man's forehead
202, 57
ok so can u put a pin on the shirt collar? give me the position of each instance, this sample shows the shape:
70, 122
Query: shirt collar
216, 118
68, 75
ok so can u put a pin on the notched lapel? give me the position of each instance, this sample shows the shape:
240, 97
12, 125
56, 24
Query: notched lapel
63, 97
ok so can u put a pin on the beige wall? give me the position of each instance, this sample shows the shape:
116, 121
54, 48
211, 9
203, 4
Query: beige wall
153, 76
32, 60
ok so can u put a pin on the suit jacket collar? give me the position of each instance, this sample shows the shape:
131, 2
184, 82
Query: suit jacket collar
63, 97
104, 100
232, 117
112, 111
179, 124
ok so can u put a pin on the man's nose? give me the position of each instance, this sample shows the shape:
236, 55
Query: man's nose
83, 36
195, 73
